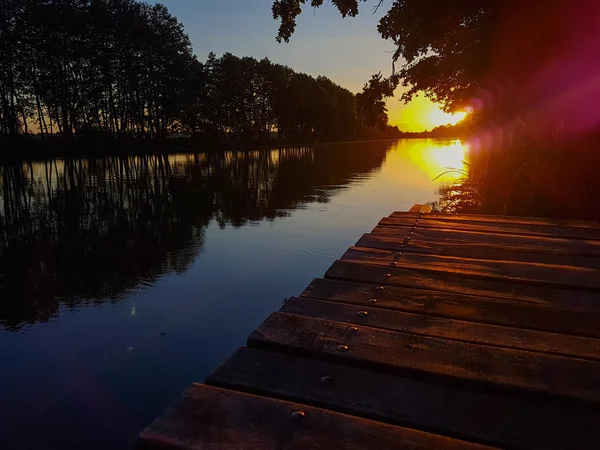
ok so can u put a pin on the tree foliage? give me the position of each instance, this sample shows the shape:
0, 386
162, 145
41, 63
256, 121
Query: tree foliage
123, 68
441, 43
454, 48
75, 67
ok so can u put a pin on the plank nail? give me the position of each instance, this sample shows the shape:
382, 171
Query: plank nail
297, 415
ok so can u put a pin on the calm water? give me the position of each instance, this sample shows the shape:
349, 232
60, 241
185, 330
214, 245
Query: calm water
123, 280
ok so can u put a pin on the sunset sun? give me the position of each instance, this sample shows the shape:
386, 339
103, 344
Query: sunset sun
421, 114
438, 117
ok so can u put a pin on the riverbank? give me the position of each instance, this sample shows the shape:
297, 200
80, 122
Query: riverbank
26, 148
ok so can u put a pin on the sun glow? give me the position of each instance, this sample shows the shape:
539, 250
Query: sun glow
443, 161
439, 117
421, 114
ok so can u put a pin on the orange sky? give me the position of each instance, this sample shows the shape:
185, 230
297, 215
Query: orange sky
419, 115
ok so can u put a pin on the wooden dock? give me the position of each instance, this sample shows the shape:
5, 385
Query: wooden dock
434, 332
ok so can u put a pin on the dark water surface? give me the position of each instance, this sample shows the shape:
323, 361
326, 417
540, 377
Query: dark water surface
123, 280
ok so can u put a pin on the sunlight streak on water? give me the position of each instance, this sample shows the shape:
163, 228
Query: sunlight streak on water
442, 161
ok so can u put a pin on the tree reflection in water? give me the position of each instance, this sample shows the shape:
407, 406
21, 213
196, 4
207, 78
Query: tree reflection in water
86, 231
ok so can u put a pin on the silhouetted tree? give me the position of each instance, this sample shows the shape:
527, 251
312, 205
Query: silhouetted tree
250, 99
370, 103
124, 68
75, 67
453, 49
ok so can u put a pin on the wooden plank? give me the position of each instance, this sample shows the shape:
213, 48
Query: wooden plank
452, 305
484, 218
470, 415
497, 228
425, 209
447, 282
487, 246
567, 277
556, 245
415, 209
457, 330
209, 418
430, 358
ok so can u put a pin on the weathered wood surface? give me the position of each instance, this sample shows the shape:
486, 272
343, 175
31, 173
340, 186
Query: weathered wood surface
424, 356
495, 228
485, 218
471, 415
590, 236
514, 272
458, 330
478, 328
486, 246
500, 229
445, 282
209, 418
452, 305
420, 209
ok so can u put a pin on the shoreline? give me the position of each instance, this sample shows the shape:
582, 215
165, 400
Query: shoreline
26, 149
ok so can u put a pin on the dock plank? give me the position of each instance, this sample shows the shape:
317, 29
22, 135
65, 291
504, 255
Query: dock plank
558, 245
458, 330
487, 246
482, 417
210, 418
495, 228
447, 282
495, 219
429, 358
457, 306
516, 272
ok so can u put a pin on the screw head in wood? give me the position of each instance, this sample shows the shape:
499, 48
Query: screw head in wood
342, 348
297, 415
363, 313
386, 276
353, 329
326, 380
394, 263
372, 301
379, 288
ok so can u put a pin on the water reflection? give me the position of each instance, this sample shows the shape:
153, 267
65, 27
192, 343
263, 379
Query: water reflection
444, 161
79, 231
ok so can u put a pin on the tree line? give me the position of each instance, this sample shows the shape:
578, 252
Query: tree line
124, 68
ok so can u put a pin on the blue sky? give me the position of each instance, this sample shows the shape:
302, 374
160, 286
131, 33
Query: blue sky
345, 50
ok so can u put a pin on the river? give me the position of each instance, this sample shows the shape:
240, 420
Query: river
125, 279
